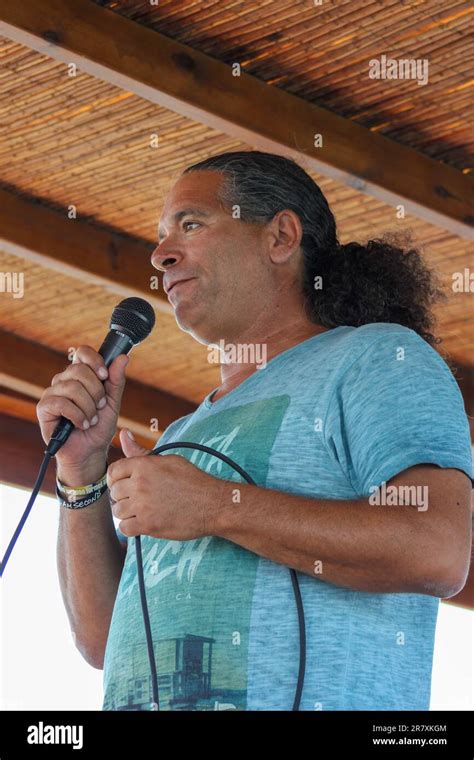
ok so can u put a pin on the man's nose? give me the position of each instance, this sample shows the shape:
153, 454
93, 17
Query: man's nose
164, 256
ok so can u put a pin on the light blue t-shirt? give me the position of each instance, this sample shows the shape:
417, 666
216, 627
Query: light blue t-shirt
330, 418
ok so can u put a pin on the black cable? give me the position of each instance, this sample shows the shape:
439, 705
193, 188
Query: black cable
141, 581
155, 705
27, 511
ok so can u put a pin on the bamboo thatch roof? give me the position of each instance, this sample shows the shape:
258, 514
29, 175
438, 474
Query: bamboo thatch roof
82, 140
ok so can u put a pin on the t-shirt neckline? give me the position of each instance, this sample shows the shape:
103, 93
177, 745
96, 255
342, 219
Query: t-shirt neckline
212, 404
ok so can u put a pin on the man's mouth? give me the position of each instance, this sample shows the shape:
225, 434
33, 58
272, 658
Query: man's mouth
180, 282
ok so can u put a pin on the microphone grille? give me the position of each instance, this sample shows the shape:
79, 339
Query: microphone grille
135, 316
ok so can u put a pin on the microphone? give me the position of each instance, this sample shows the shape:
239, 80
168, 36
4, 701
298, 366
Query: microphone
132, 321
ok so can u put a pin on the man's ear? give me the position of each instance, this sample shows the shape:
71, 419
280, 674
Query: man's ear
286, 233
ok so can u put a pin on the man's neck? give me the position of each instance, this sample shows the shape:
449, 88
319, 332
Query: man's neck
238, 368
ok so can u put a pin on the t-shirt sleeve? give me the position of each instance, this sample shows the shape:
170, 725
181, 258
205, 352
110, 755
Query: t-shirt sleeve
396, 405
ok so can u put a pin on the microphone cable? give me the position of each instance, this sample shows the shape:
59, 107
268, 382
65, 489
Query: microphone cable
24, 517
155, 705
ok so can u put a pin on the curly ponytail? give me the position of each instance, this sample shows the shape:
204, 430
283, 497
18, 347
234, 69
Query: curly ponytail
383, 280
376, 282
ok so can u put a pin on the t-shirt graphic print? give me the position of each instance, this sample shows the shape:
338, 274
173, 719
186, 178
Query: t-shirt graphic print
199, 592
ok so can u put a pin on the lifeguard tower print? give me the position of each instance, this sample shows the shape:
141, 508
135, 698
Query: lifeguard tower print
184, 679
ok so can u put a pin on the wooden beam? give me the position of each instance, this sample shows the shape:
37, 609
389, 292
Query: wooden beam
465, 379
21, 454
27, 368
78, 249
22, 407
135, 58
18, 405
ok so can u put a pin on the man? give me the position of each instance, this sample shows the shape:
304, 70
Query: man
354, 431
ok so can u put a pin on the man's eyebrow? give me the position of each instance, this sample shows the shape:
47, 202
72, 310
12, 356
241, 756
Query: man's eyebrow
193, 211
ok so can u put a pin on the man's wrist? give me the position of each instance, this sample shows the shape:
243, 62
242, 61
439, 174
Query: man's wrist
88, 472
226, 507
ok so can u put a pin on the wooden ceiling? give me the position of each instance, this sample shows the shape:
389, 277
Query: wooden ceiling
82, 137
319, 51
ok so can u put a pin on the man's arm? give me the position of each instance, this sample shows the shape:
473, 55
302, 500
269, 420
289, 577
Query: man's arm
465, 597
355, 544
90, 562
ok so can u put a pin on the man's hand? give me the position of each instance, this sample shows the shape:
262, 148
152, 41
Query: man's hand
162, 496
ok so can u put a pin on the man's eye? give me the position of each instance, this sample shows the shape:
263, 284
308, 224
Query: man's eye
185, 224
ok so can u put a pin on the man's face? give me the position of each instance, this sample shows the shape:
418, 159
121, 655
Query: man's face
224, 259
